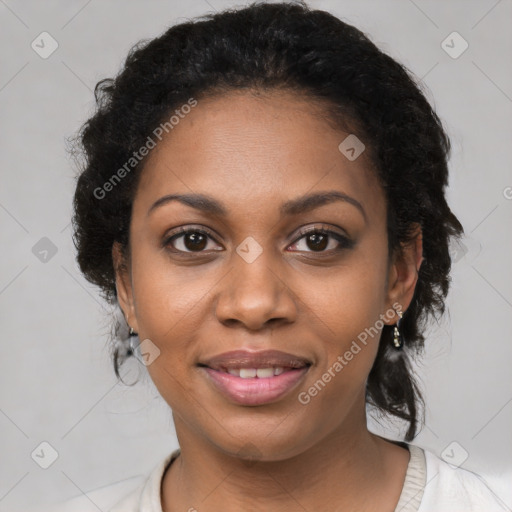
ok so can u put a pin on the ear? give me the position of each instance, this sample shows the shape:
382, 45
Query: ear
124, 286
403, 273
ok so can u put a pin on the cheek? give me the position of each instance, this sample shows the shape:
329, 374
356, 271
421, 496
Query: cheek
168, 299
348, 299
349, 334
170, 308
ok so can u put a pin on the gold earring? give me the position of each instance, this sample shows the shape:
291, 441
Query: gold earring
397, 337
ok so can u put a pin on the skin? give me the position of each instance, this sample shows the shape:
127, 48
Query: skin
252, 153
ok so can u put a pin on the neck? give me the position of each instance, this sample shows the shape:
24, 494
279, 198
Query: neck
350, 469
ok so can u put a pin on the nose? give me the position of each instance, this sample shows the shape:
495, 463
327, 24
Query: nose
255, 294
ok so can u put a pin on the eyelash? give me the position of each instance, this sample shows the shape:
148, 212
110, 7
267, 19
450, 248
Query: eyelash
344, 242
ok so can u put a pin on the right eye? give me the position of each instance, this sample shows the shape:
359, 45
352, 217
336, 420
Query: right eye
189, 240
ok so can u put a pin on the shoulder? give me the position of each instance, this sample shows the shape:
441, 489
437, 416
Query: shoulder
454, 489
103, 498
131, 495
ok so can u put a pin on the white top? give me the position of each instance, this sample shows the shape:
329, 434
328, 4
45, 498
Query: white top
431, 485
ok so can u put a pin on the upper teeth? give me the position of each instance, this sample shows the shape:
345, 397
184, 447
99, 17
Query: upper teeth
262, 373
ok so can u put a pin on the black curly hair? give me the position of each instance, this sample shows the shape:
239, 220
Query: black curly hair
292, 47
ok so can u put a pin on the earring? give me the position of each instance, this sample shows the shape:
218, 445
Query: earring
398, 341
133, 335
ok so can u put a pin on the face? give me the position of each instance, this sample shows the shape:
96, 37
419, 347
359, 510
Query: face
264, 270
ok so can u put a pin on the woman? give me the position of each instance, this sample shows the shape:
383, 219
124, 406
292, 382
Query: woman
263, 196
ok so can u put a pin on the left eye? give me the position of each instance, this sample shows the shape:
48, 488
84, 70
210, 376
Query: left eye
322, 240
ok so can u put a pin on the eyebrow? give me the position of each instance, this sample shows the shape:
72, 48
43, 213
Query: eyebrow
296, 206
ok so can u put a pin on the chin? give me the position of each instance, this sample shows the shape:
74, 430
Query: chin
264, 444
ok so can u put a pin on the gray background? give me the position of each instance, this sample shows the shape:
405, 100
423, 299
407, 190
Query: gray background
57, 384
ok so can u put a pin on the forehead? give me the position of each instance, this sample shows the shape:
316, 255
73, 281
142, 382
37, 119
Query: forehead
255, 150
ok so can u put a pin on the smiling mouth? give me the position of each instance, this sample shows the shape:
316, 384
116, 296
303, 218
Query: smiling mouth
252, 378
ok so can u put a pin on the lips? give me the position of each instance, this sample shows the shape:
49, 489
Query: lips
254, 378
